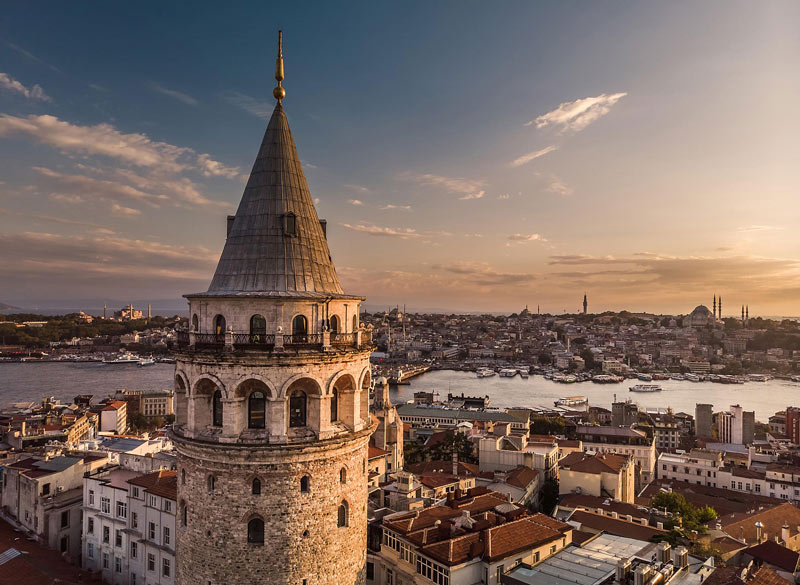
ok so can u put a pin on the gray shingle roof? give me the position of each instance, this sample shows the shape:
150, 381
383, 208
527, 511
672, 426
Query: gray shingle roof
259, 255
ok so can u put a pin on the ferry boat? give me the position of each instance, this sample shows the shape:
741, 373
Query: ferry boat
564, 378
606, 379
645, 377
485, 373
572, 401
508, 373
523, 373
692, 377
757, 377
147, 362
645, 388
124, 358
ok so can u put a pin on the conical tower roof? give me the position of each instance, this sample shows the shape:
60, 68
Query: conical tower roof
276, 245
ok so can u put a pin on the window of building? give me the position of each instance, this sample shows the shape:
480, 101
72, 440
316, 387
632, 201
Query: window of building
122, 510
106, 534
433, 571
299, 327
151, 562
168, 506
151, 531
297, 409
256, 487
290, 224
133, 579
184, 514
334, 325
91, 497
219, 325
256, 410
334, 405
183, 476
258, 328
135, 492
45, 489
370, 571
90, 550
216, 409
305, 484
118, 564
342, 516
105, 560
165, 567
105, 505
255, 531
90, 526
343, 475
166, 541
117, 538
389, 577
355, 323
134, 549
500, 573
65, 519
211, 483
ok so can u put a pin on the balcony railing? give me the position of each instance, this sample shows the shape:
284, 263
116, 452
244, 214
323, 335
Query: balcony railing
303, 340
253, 340
209, 340
343, 339
182, 338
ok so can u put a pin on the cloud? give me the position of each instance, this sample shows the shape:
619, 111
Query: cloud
358, 188
31, 56
760, 228
482, 274
121, 211
504, 197
468, 188
212, 168
33, 93
526, 158
49, 218
579, 114
249, 104
181, 97
521, 238
374, 230
66, 198
105, 140
355, 202
106, 190
559, 187
390, 206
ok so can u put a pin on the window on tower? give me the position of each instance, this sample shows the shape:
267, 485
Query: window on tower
255, 531
212, 483
216, 417
334, 324
299, 328
334, 405
256, 487
219, 326
290, 224
257, 410
342, 516
258, 328
343, 475
305, 484
297, 409
195, 324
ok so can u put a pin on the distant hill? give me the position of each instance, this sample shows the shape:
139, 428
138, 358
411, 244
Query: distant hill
5, 307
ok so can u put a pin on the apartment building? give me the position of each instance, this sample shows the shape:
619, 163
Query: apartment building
624, 441
601, 474
699, 467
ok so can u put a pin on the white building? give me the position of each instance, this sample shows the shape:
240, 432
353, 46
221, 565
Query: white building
698, 466
114, 417
736, 426
502, 451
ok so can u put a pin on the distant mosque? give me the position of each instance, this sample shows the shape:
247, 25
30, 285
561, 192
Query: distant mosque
702, 316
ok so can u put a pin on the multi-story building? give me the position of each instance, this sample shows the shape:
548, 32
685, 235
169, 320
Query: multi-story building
475, 537
602, 474
698, 466
152, 505
792, 424
157, 404
666, 431
502, 451
624, 413
704, 421
625, 441
114, 417
736, 426
43, 496
272, 396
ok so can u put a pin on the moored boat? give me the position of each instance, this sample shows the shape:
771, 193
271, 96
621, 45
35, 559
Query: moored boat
645, 388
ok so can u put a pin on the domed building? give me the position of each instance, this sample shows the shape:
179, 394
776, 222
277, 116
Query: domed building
272, 396
701, 316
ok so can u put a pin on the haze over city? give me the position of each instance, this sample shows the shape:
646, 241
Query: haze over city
466, 158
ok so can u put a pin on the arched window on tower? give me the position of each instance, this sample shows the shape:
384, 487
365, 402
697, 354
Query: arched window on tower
290, 224
183, 477
297, 409
256, 410
256, 487
343, 475
334, 325
334, 405
184, 514
255, 531
305, 484
258, 328
216, 408
300, 328
219, 327
355, 323
342, 515
211, 483
195, 323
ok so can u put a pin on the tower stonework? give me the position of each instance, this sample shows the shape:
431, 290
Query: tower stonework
272, 386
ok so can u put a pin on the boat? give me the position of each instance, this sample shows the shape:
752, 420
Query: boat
692, 377
523, 373
147, 362
757, 377
124, 358
564, 378
572, 401
645, 377
645, 388
508, 373
606, 379
485, 373
795, 378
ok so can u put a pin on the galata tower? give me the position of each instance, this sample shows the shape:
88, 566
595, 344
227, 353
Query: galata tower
272, 396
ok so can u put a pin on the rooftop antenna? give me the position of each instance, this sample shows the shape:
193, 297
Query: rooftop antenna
279, 93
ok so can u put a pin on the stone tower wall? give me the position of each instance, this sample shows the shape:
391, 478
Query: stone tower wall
302, 539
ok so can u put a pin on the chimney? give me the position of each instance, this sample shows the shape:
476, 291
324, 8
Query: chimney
664, 551
230, 225
759, 526
323, 223
623, 568
455, 462
660, 525
785, 534
680, 557
640, 574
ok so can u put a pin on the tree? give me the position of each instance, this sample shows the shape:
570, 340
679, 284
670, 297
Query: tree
691, 517
549, 495
547, 425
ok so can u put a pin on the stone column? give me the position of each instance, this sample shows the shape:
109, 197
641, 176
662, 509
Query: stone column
229, 339
279, 340
192, 338
326, 339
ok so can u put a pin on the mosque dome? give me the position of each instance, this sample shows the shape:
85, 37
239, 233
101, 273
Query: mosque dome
702, 311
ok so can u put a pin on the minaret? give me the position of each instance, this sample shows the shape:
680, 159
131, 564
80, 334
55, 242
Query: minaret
104, 310
719, 306
585, 304
715, 306
743, 321
272, 408
149, 312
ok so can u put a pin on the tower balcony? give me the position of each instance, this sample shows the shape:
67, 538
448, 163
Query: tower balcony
231, 341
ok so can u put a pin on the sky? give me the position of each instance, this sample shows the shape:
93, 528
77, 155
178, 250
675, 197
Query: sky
468, 156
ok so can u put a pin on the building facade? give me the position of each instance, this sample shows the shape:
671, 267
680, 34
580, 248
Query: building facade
272, 397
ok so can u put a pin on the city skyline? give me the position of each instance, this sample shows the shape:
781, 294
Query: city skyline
634, 154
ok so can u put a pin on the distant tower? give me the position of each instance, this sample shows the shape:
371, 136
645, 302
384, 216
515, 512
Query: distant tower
149, 312
715, 306
272, 397
719, 306
747, 313
585, 304
743, 320
104, 310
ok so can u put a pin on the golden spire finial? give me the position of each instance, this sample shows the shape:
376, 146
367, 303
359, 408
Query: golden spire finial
279, 92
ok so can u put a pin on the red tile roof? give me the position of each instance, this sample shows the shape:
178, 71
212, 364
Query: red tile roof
162, 483
595, 464
613, 526
771, 552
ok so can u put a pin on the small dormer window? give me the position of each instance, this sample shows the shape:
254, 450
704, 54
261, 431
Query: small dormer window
290, 224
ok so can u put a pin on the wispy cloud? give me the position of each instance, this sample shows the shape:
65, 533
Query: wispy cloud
121, 211
258, 108
105, 140
357, 188
760, 228
355, 202
391, 206
66, 198
526, 158
468, 188
577, 115
522, 238
484, 275
559, 187
504, 197
31, 56
177, 95
375, 230
34, 92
